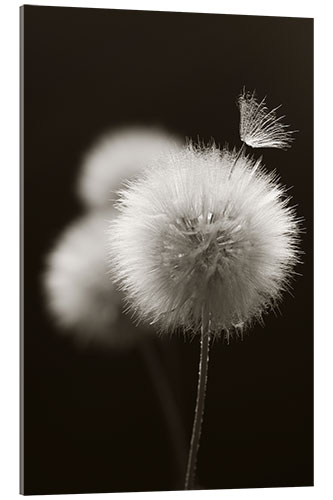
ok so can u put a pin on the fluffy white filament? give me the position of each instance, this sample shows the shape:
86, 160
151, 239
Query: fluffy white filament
198, 230
80, 295
116, 157
259, 127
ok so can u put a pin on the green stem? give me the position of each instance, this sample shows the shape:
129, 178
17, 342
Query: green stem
200, 402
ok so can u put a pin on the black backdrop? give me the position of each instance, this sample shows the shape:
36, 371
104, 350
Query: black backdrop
91, 422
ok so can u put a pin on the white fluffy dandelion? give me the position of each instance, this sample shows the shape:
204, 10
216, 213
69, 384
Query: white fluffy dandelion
191, 238
79, 292
116, 157
260, 127
207, 242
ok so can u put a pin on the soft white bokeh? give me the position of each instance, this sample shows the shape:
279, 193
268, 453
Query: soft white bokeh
117, 157
80, 294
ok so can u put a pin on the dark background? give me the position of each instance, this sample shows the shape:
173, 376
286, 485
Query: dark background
91, 419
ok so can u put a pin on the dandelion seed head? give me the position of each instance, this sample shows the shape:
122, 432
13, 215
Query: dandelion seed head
116, 157
260, 127
80, 295
198, 230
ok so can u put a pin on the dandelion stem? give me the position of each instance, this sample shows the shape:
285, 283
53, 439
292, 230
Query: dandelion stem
200, 402
168, 406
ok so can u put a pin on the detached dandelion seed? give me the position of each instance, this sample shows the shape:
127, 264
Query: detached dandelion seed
260, 127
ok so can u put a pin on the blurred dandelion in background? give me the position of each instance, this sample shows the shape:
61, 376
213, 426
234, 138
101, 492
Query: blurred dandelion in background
118, 156
86, 306
80, 295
